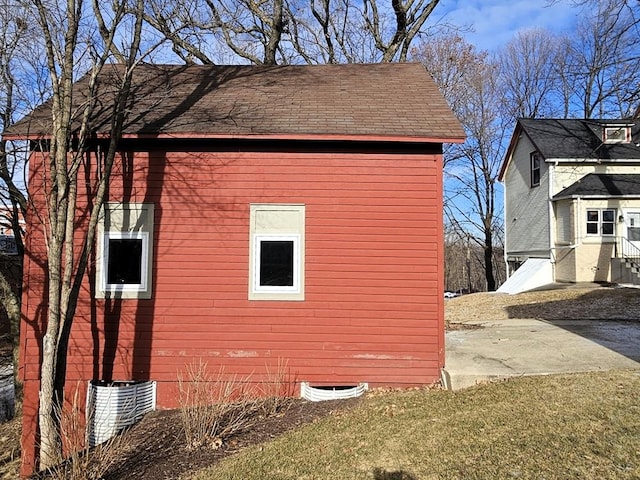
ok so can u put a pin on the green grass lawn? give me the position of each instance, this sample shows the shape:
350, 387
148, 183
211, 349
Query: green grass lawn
583, 426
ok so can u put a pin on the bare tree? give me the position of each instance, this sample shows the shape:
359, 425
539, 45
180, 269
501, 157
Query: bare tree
13, 33
67, 46
600, 63
528, 75
277, 31
469, 82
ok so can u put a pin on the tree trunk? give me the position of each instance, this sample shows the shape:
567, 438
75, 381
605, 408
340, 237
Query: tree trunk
488, 261
50, 445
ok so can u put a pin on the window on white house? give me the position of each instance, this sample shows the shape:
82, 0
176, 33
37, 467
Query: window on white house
618, 134
535, 169
276, 255
123, 267
601, 222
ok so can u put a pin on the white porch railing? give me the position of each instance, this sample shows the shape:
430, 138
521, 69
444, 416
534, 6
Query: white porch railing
628, 251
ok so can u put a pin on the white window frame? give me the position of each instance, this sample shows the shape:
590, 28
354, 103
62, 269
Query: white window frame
144, 262
277, 222
121, 221
534, 157
600, 221
295, 288
617, 139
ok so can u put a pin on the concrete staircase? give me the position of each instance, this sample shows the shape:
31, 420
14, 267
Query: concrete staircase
623, 270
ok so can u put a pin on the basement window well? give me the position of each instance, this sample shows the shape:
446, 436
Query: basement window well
114, 406
320, 393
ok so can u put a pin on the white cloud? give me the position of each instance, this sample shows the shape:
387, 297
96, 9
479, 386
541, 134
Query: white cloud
495, 22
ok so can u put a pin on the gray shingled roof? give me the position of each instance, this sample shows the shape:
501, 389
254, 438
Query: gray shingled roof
354, 100
571, 138
603, 185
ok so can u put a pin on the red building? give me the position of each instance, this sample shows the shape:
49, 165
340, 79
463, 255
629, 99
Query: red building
260, 215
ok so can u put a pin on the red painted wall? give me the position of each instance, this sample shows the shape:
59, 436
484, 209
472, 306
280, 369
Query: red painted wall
373, 309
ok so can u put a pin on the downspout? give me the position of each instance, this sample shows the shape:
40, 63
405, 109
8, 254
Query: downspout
505, 251
578, 239
552, 221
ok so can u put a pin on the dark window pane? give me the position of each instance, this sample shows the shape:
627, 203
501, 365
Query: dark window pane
536, 178
633, 234
607, 215
607, 229
535, 169
125, 261
592, 215
276, 263
592, 228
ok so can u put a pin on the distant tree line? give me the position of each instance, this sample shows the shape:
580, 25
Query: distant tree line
464, 268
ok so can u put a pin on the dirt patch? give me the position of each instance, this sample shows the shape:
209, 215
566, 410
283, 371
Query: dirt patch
156, 447
576, 303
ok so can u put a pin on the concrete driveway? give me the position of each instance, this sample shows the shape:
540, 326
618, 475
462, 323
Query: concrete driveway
484, 351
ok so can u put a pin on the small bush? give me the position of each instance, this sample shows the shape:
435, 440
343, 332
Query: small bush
215, 408
82, 463
277, 389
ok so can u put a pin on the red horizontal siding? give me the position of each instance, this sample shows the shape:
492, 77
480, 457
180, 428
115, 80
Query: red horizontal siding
373, 290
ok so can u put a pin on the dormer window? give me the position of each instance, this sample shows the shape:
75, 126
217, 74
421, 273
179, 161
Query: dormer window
618, 134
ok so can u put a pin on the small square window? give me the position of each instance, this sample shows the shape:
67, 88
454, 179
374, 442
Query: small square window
277, 269
124, 251
616, 134
125, 261
276, 252
276, 263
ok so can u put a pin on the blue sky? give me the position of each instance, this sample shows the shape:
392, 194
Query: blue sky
495, 22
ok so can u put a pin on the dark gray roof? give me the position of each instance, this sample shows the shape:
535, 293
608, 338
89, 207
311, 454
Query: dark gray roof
572, 138
603, 185
378, 101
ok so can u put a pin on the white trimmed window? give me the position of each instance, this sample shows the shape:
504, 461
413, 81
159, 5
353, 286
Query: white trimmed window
601, 222
621, 134
535, 169
125, 261
276, 252
125, 251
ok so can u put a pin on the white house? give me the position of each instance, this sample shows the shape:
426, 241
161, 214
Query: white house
572, 199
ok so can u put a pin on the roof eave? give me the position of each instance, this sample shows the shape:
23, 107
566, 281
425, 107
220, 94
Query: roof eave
594, 197
304, 136
267, 136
